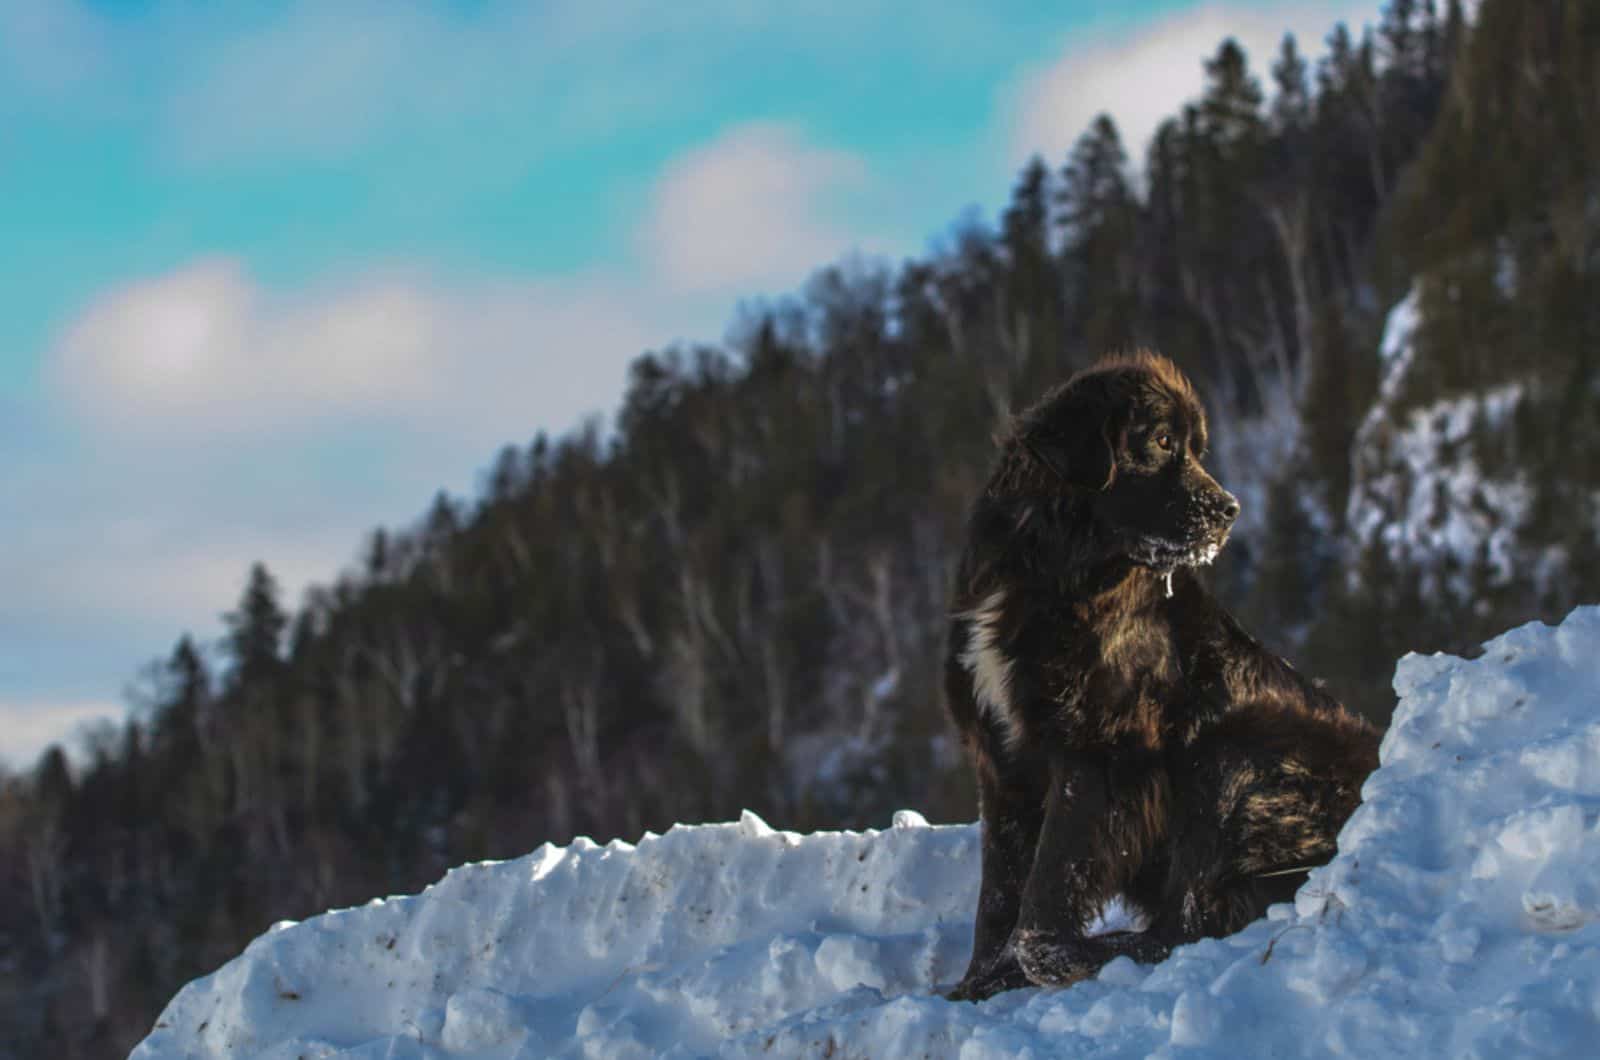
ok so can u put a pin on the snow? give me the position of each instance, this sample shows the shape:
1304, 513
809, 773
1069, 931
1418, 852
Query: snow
1397, 348
1420, 491
1459, 919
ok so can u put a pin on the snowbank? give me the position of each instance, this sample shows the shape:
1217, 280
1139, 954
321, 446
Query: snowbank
1457, 920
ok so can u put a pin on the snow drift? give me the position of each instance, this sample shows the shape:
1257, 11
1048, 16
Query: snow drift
1458, 919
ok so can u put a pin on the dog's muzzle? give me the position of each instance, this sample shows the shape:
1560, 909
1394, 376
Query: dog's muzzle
1205, 523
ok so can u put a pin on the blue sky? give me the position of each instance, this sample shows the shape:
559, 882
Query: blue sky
272, 274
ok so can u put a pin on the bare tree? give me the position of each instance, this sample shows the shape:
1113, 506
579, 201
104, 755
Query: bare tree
97, 965
45, 851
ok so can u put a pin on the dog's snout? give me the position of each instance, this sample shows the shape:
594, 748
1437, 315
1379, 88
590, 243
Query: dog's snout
1217, 508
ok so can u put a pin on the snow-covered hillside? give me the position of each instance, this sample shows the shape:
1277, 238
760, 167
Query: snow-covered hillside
1459, 919
1420, 491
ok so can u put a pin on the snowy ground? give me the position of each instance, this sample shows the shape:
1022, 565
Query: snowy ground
1458, 920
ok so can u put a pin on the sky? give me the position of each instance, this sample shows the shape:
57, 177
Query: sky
272, 275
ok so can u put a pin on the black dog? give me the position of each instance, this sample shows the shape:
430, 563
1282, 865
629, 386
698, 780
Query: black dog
1129, 736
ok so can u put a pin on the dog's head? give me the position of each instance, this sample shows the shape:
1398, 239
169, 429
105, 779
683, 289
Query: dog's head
1126, 437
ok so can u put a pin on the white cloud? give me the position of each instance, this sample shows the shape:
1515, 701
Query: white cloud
26, 729
757, 208
233, 423
204, 346
207, 350
1144, 78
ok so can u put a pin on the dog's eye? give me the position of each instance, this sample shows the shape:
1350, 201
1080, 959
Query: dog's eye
1165, 442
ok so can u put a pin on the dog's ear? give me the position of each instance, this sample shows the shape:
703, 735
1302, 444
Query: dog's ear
1072, 437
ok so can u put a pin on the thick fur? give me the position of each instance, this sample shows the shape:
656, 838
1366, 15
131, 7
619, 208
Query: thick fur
1129, 736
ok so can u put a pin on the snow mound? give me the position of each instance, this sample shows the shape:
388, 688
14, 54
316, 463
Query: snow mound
1458, 919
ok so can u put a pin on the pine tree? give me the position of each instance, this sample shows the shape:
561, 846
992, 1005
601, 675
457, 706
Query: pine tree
255, 630
1402, 38
1025, 224
1099, 218
378, 557
183, 690
1230, 108
1032, 317
1291, 105
505, 476
1334, 71
52, 777
1094, 183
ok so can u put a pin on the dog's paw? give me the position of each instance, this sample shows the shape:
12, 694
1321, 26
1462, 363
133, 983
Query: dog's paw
1004, 974
1050, 959
1056, 960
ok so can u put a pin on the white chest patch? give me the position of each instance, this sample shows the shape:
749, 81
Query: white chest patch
990, 667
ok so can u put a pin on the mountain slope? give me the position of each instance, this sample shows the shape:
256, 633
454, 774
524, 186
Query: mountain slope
1458, 919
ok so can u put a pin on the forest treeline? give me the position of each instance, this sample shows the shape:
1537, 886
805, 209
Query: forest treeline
734, 595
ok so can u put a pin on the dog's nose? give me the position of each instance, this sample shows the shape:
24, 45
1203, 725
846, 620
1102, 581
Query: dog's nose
1229, 506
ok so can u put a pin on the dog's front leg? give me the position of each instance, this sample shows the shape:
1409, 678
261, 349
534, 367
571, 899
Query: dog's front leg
1069, 877
1090, 840
1011, 817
